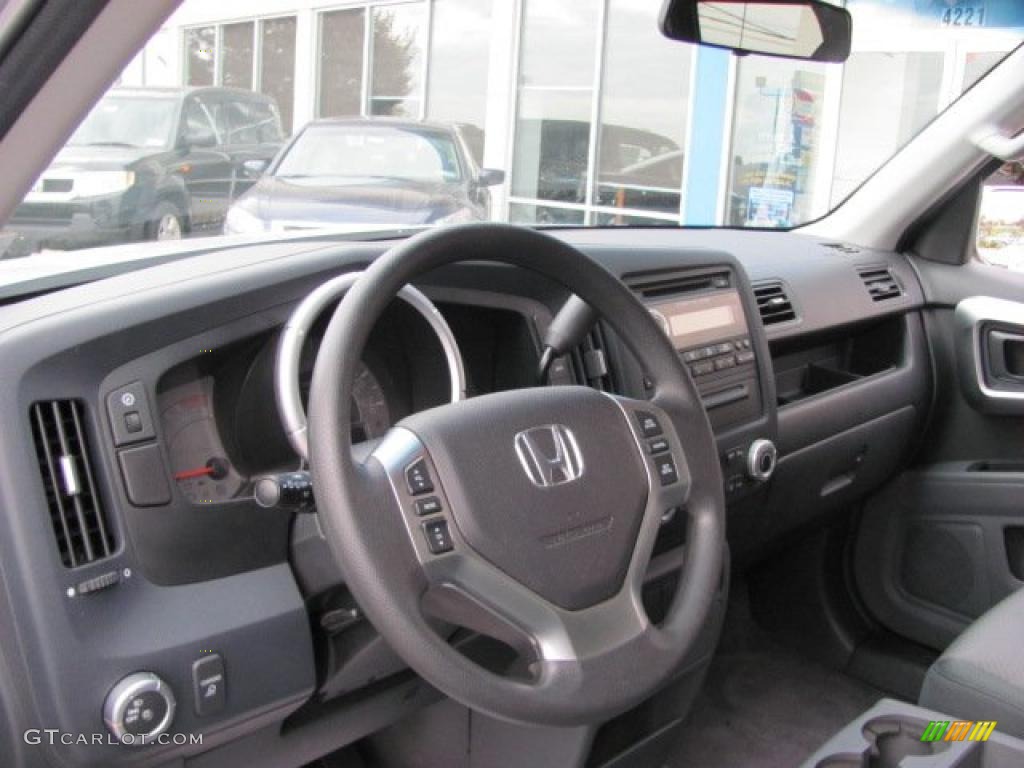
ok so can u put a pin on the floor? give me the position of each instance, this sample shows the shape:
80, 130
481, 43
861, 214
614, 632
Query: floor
765, 706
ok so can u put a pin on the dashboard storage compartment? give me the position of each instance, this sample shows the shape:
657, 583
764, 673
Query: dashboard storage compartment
805, 370
893, 734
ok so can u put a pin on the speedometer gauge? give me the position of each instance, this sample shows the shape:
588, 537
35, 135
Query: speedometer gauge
370, 414
198, 459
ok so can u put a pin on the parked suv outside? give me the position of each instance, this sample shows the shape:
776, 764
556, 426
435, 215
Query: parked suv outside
148, 164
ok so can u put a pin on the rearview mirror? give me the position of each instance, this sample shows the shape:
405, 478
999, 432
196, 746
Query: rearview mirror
791, 29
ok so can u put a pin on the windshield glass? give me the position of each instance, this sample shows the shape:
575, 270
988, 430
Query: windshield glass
124, 121
372, 152
306, 114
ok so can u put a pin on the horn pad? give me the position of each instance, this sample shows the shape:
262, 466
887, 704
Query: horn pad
548, 484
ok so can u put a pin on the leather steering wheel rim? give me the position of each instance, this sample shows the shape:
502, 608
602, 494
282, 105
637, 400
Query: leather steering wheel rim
597, 655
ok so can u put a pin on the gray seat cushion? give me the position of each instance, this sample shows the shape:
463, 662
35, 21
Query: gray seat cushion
981, 675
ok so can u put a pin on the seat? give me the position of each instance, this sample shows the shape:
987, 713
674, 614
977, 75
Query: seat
981, 675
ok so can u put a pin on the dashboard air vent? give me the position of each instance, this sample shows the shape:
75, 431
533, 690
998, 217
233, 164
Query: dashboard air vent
773, 304
76, 513
591, 364
880, 283
665, 284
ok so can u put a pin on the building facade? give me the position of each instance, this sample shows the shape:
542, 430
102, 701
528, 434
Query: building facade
593, 115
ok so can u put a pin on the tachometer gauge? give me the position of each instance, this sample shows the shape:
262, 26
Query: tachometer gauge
198, 460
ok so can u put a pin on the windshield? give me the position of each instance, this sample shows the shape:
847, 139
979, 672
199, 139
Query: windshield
124, 121
406, 113
373, 152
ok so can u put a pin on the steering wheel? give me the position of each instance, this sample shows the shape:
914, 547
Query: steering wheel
528, 515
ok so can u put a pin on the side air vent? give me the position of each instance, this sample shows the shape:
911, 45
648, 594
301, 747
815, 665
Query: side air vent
773, 304
82, 531
880, 283
590, 362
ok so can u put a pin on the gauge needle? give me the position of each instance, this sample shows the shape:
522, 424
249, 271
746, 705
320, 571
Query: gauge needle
188, 474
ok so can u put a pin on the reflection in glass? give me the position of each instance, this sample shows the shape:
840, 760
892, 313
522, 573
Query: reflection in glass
887, 99
277, 65
775, 142
236, 55
460, 32
200, 44
398, 43
342, 39
644, 100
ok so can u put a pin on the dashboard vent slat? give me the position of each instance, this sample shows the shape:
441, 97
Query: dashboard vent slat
80, 526
880, 283
773, 304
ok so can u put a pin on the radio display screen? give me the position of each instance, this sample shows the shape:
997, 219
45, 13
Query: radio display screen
701, 320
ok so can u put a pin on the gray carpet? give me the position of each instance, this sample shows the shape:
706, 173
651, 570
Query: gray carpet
766, 707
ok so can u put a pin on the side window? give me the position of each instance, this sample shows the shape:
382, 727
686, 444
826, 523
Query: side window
197, 128
1000, 237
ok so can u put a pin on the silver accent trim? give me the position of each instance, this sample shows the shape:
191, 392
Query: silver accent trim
757, 451
116, 703
545, 471
289, 351
971, 315
557, 634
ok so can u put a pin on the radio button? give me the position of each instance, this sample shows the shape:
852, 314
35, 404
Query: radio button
701, 369
744, 357
722, 363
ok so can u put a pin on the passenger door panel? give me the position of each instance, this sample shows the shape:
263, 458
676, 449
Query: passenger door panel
944, 541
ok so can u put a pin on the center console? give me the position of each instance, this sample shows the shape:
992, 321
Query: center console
707, 316
893, 734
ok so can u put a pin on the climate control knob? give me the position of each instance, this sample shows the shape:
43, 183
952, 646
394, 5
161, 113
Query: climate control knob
761, 457
139, 708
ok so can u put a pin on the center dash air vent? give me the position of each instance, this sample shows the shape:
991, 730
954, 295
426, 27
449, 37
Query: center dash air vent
76, 512
672, 283
773, 304
880, 283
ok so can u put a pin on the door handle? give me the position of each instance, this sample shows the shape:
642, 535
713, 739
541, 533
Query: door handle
990, 353
1006, 355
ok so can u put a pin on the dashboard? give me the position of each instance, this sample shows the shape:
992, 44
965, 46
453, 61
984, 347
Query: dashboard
814, 386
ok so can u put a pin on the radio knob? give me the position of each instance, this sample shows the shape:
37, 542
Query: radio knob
761, 458
139, 708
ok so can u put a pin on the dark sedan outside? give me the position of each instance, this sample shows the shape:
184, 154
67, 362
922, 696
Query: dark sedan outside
367, 172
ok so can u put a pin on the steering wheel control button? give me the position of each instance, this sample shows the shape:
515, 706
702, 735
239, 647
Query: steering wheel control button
209, 685
665, 469
649, 425
657, 445
439, 538
140, 706
417, 478
428, 506
128, 410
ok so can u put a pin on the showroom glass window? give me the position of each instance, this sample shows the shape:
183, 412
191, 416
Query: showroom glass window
255, 55
601, 114
372, 61
775, 141
461, 31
